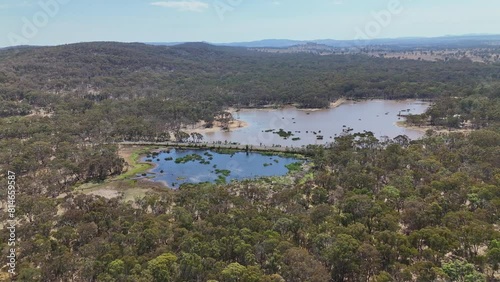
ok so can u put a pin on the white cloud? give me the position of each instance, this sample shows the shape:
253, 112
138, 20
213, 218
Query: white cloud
190, 6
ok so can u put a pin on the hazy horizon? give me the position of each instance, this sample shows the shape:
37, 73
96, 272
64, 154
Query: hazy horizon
55, 22
258, 40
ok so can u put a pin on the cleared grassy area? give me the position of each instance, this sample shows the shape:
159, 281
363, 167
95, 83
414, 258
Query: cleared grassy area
135, 166
127, 190
123, 186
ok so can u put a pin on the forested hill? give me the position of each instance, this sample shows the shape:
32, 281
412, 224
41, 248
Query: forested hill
365, 210
226, 75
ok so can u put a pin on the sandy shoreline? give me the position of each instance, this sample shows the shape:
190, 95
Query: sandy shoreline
424, 129
160, 182
200, 127
333, 105
338, 103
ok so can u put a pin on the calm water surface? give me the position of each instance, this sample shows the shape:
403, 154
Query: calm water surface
378, 116
197, 166
208, 166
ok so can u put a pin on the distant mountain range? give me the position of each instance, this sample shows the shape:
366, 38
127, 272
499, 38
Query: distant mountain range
472, 40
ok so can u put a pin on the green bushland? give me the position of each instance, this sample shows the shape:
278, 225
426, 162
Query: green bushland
297, 166
401, 210
221, 180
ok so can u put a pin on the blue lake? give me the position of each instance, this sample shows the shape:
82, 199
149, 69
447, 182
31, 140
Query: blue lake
176, 167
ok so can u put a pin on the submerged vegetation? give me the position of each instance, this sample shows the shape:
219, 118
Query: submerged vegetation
237, 166
284, 134
189, 158
223, 172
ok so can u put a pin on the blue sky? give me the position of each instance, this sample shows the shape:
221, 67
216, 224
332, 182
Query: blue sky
52, 22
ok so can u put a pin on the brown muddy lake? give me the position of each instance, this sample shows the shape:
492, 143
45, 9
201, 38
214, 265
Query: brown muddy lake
307, 126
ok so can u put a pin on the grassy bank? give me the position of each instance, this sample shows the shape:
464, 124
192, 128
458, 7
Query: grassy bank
133, 159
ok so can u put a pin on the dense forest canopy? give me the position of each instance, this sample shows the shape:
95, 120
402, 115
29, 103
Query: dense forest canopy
366, 210
226, 75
